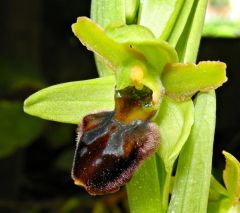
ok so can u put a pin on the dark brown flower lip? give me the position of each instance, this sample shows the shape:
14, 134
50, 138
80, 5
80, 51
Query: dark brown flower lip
112, 145
108, 154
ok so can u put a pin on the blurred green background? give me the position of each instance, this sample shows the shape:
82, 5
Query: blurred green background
38, 49
222, 19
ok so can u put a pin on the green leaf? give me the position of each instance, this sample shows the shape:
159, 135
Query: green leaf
182, 81
131, 9
191, 187
69, 102
102, 12
159, 16
231, 176
181, 21
144, 189
175, 120
188, 43
17, 129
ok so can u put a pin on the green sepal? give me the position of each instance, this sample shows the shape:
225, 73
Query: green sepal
95, 39
69, 102
182, 81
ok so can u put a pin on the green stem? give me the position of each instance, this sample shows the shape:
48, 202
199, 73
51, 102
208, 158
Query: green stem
144, 193
164, 177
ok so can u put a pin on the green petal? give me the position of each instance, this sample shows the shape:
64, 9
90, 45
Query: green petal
69, 102
175, 120
129, 33
157, 53
182, 81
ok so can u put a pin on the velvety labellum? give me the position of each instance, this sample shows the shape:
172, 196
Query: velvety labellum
112, 145
108, 151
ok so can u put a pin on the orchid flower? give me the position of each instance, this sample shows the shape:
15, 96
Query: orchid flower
117, 114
